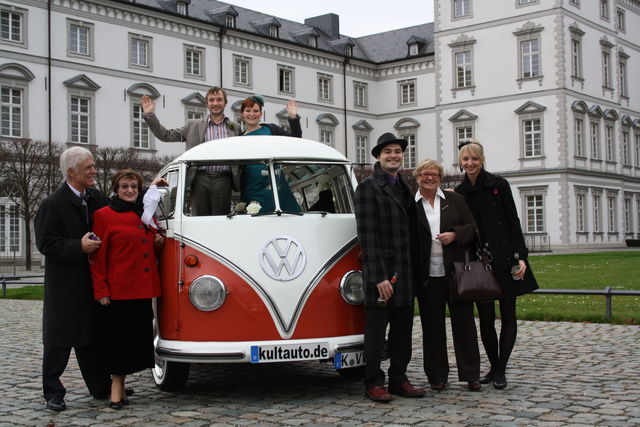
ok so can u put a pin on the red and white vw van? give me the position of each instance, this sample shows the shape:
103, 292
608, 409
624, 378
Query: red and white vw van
275, 286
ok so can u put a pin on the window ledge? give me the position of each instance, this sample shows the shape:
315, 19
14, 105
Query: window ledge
81, 144
144, 150
575, 156
540, 157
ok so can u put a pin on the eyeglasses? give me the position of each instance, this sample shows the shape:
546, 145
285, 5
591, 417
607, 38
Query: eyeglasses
132, 186
429, 175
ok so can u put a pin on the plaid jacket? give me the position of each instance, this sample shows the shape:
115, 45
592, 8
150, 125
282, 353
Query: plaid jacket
386, 226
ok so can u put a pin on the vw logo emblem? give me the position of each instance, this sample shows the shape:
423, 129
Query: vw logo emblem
283, 258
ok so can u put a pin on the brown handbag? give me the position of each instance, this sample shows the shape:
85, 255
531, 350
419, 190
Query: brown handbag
474, 280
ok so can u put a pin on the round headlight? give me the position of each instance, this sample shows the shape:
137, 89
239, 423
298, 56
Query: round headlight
352, 287
207, 293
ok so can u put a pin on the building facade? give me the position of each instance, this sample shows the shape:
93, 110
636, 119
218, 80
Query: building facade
546, 85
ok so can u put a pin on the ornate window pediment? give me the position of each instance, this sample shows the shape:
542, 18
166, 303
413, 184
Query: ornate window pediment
81, 81
530, 107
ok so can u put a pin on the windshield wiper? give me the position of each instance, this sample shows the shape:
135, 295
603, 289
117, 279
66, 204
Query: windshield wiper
278, 212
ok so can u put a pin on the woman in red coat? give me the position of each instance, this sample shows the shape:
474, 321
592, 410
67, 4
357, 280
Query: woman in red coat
125, 279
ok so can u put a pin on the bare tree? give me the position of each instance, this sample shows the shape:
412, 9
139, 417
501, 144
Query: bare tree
25, 165
108, 161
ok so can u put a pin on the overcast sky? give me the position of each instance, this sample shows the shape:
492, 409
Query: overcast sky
357, 17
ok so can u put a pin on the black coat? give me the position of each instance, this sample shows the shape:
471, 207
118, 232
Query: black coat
454, 216
492, 205
385, 219
70, 312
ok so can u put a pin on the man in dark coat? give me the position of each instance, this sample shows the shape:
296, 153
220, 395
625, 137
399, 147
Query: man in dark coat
385, 215
70, 319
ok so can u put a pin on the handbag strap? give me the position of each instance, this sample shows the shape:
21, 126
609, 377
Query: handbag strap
483, 255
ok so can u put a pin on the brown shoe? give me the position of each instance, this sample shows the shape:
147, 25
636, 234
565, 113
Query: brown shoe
474, 385
438, 385
407, 390
378, 394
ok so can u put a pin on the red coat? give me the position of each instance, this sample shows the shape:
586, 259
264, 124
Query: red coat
125, 266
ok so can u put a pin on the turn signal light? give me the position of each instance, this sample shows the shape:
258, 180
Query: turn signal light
191, 260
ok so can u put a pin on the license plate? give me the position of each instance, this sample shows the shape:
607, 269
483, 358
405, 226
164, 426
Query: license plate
289, 352
349, 360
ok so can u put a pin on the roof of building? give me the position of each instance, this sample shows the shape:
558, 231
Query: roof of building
377, 48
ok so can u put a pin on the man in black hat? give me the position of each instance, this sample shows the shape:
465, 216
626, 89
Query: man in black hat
386, 215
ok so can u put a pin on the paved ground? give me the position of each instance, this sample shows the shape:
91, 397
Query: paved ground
562, 374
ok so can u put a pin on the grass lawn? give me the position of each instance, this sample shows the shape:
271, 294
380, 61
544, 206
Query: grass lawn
26, 292
619, 270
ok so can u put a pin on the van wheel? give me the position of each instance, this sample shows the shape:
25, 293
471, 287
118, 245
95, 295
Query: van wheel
170, 376
355, 373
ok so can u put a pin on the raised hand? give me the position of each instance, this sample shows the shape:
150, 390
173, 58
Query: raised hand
147, 104
292, 108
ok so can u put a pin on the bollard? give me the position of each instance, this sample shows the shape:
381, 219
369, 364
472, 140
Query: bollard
4, 287
608, 302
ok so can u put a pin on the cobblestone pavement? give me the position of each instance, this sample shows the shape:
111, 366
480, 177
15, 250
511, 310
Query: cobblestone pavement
561, 374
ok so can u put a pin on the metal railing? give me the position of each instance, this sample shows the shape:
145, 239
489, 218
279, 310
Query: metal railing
607, 292
18, 280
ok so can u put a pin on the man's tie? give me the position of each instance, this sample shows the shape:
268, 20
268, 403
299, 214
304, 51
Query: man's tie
85, 204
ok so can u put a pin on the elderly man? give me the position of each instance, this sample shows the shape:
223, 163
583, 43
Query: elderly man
70, 316
386, 215
210, 186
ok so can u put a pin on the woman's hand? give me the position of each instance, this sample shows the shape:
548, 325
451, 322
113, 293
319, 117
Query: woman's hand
523, 268
158, 240
104, 301
447, 237
292, 108
160, 182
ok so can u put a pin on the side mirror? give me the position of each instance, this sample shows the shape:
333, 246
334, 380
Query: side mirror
163, 207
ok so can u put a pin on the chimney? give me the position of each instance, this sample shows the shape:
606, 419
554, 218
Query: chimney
329, 23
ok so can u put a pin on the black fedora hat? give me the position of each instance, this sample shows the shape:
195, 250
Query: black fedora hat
386, 139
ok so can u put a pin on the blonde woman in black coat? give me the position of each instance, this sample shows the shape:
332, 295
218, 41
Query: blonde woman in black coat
491, 202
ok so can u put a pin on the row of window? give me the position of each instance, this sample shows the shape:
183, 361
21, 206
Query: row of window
590, 218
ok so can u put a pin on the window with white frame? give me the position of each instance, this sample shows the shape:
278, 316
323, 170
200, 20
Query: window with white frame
622, 68
139, 51
628, 215
595, 140
461, 8
636, 150
413, 49
463, 69
348, 50
10, 230
286, 80
530, 58
360, 94
626, 155
362, 144
604, 9
195, 114
576, 55
141, 137
620, 20
181, 8
230, 21
527, 2
407, 92
597, 212
574, 2
194, 61
409, 156
612, 212
325, 87
610, 143
463, 133
606, 69
12, 111
578, 134
581, 213
241, 70
80, 39
80, 116
313, 41
326, 136
13, 25
532, 137
273, 31
535, 213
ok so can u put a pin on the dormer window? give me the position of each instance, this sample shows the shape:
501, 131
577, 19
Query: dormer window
348, 50
230, 21
413, 49
181, 8
313, 41
273, 31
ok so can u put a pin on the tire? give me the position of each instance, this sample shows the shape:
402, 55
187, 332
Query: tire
355, 373
170, 376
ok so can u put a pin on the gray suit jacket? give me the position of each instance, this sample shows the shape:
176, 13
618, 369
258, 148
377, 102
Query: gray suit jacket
192, 132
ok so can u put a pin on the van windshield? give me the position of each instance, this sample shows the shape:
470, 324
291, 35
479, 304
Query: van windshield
248, 188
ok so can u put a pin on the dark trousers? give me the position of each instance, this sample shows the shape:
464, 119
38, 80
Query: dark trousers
92, 366
432, 301
400, 321
498, 352
211, 194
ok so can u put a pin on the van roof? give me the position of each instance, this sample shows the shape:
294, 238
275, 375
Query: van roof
260, 148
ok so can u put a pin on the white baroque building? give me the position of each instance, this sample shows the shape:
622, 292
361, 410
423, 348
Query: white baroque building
550, 87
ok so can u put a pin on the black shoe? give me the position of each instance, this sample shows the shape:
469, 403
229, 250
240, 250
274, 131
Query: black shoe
116, 405
56, 404
487, 378
499, 381
474, 385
